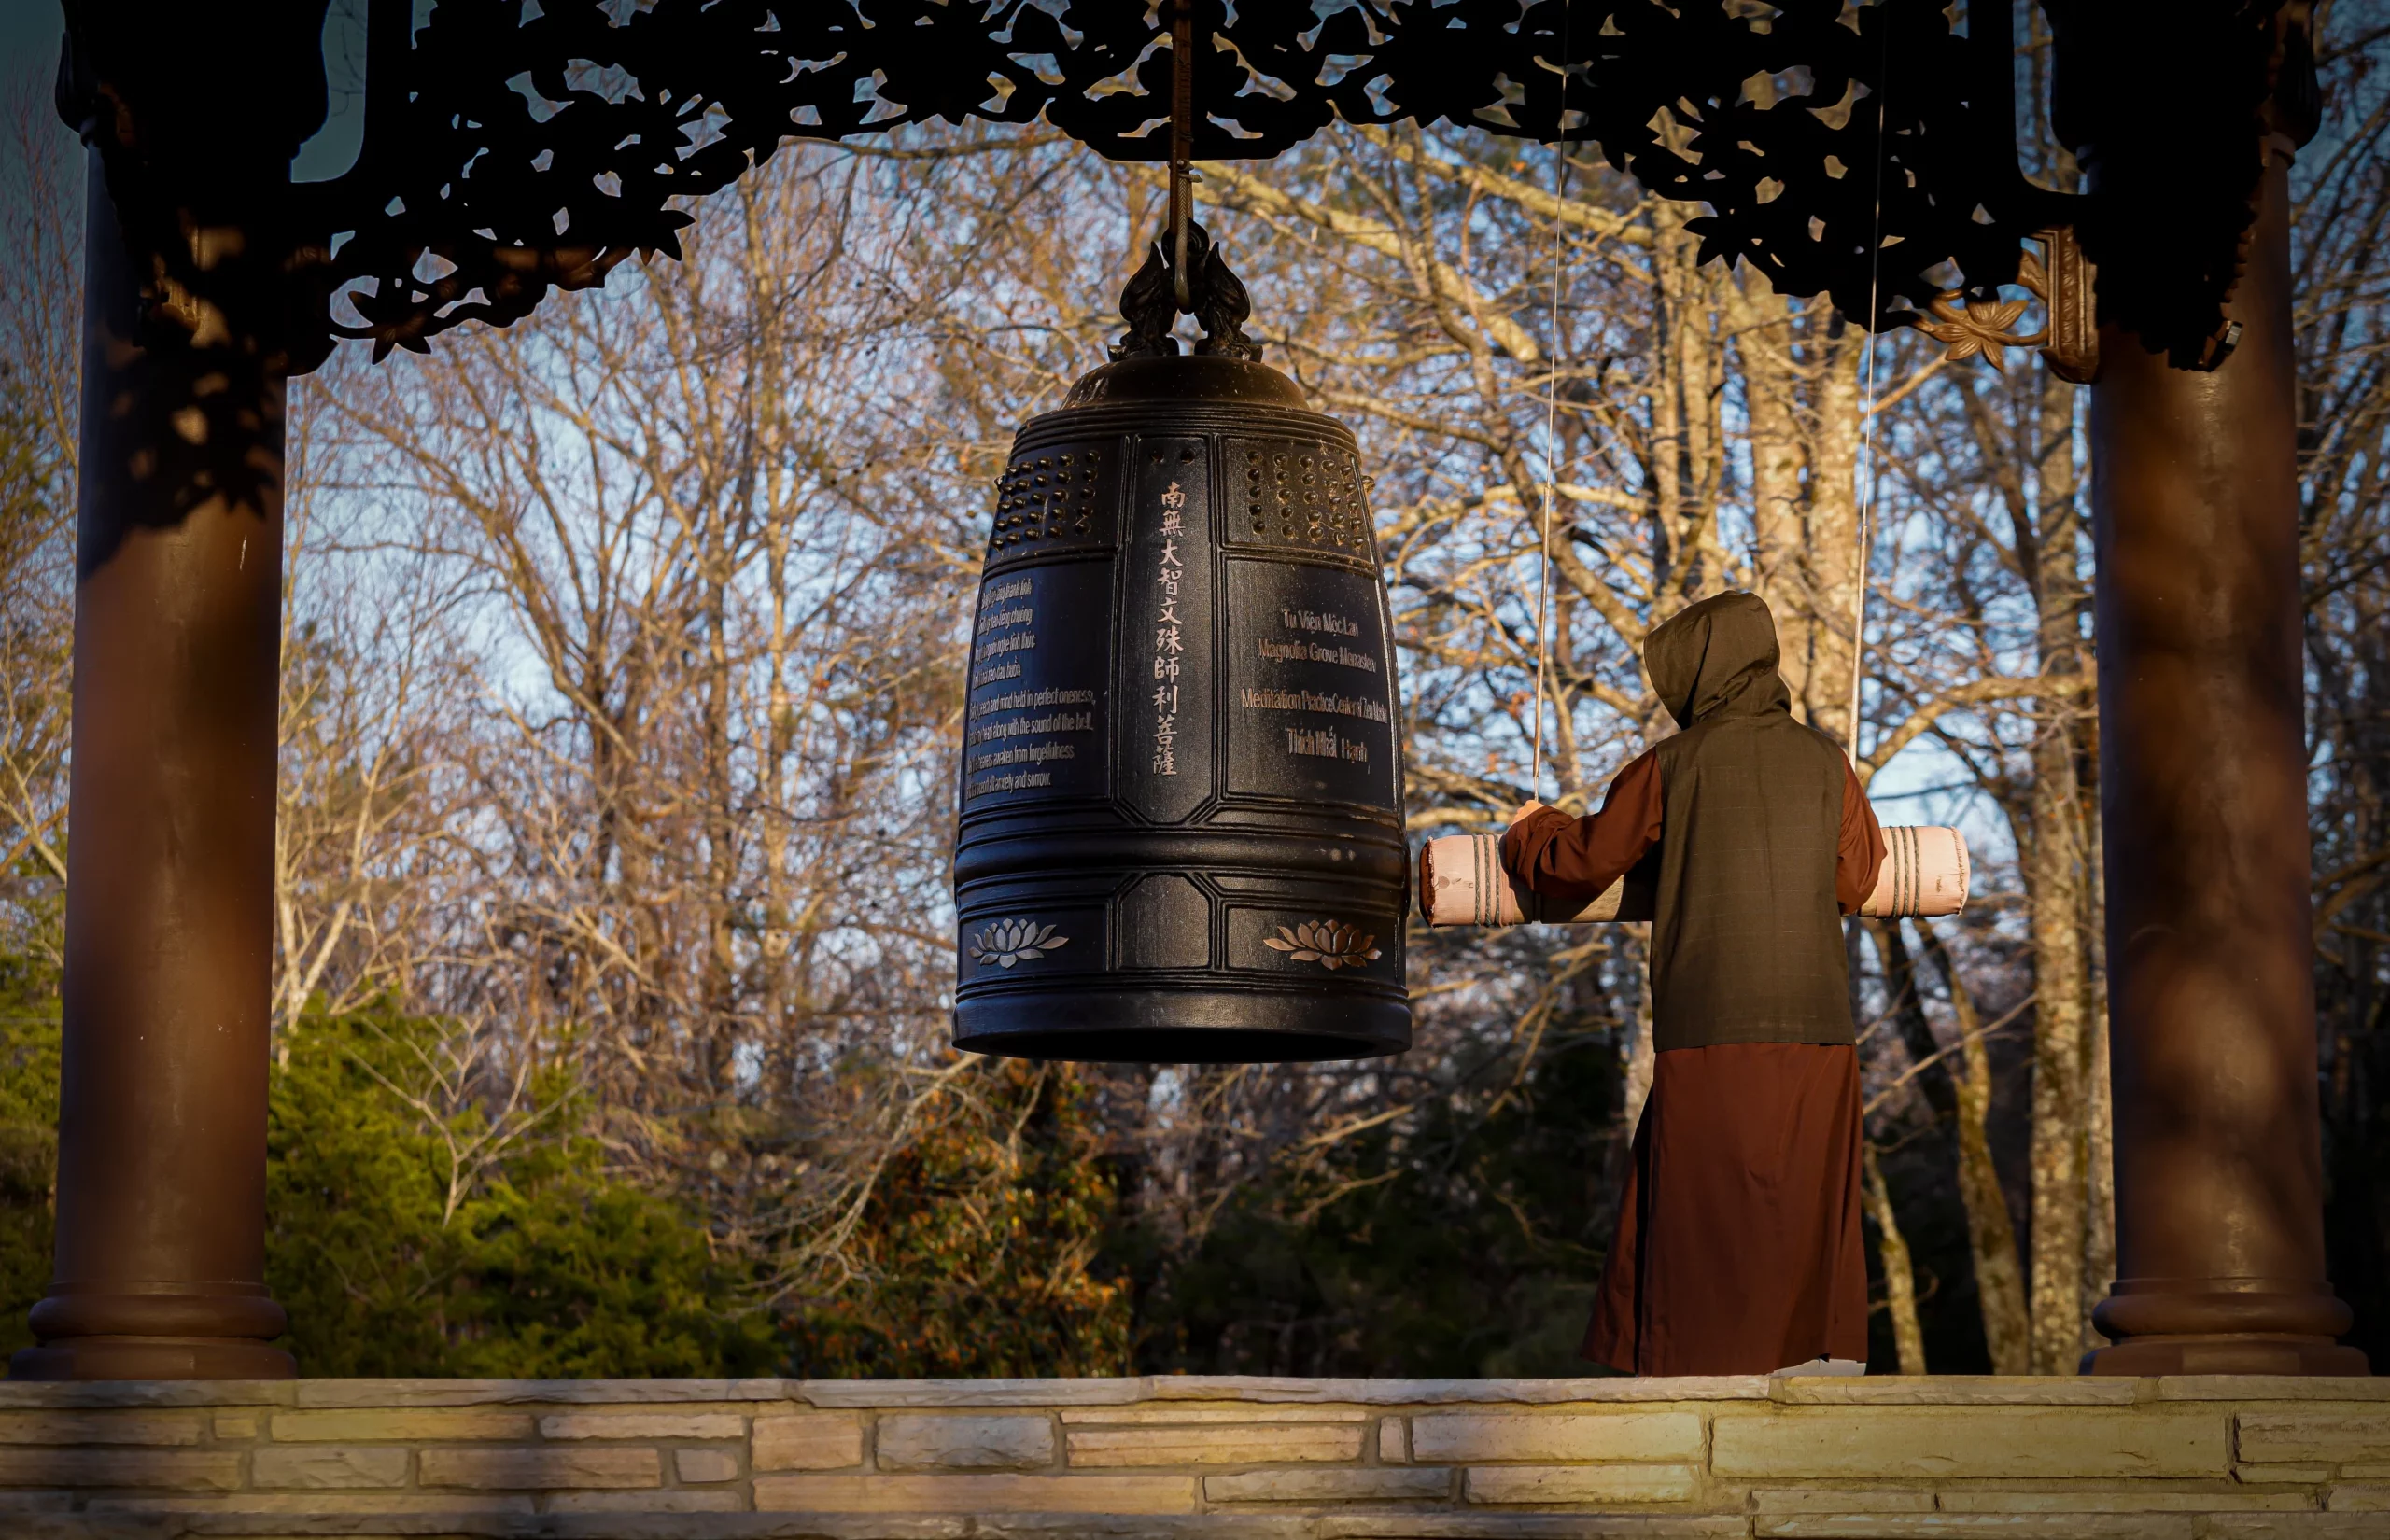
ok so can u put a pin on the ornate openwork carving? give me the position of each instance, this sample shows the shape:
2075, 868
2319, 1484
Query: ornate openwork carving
2173, 109
518, 146
2060, 279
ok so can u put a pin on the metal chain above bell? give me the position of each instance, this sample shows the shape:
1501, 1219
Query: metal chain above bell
1183, 272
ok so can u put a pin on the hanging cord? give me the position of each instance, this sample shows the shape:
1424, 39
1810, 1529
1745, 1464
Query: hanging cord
1867, 413
1182, 145
1550, 433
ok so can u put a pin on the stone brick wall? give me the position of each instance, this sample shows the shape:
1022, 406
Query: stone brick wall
1739, 1459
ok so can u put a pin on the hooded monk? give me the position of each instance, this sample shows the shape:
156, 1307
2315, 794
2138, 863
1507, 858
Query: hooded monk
1737, 1249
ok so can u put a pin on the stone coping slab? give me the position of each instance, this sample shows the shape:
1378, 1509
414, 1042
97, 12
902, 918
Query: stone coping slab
795, 1526
2270, 1526
870, 1394
1199, 1458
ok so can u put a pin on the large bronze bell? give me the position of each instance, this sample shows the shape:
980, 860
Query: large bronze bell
1181, 835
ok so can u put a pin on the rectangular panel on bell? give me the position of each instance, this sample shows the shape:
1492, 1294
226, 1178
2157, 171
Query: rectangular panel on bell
1318, 940
1164, 920
1034, 721
1310, 708
1296, 495
1056, 499
1025, 936
1167, 665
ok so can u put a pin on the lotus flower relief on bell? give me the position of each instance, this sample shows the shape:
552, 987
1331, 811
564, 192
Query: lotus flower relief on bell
1181, 828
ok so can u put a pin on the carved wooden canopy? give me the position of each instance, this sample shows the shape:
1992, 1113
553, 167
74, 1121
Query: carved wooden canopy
516, 145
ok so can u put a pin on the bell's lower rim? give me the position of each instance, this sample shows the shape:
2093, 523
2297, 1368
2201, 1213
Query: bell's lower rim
1179, 1045
1115, 1021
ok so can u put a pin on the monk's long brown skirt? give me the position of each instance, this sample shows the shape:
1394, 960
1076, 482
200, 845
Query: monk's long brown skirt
1738, 1249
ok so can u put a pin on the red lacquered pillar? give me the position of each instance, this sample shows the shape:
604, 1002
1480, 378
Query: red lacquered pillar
2203, 800
161, 1251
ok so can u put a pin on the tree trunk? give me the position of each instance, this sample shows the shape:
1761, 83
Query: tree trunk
1960, 1093
2057, 878
1837, 564
2000, 1283
1763, 326
2100, 1186
1899, 1276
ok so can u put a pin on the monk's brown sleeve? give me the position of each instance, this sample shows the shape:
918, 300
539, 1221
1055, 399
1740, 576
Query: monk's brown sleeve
1566, 858
1860, 856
